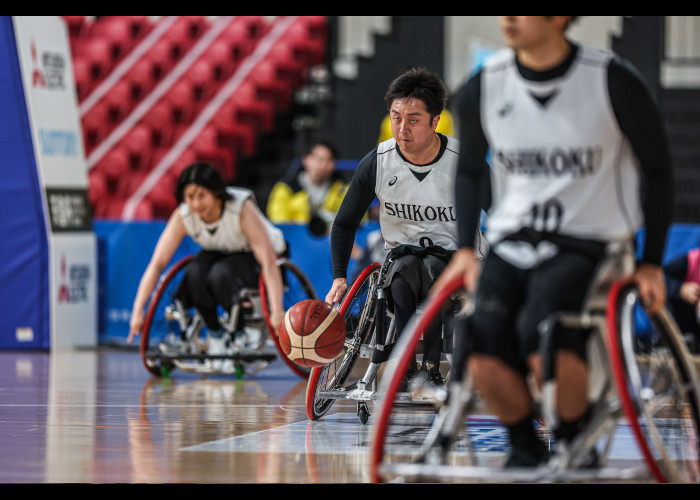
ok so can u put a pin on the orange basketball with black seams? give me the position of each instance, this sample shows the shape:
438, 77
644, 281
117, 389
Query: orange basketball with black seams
312, 333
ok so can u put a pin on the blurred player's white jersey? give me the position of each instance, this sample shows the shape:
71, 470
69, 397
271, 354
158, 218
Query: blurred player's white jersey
559, 159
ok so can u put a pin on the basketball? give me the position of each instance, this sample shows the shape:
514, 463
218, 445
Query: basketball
312, 333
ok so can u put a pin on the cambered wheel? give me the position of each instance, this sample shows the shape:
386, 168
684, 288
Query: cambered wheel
413, 424
358, 309
163, 323
658, 386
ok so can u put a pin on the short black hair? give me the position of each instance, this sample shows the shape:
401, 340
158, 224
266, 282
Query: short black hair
201, 174
326, 144
421, 84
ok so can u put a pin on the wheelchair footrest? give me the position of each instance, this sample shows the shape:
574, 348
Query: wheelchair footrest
418, 472
244, 355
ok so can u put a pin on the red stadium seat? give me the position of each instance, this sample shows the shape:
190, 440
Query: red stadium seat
97, 187
184, 33
161, 57
200, 76
140, 26
77, 26
207, 149
238, 137
162, 197
99, 57
137, 144
83, 80
239, 40
299, 39
221, 59
270, 87
117, 31
141, 79
118, 101
250, 108
96, 126
317, 26
114, 165
159, 121
256, 26
181, 103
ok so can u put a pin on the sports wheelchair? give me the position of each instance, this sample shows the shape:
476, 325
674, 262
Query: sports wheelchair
643, 386
174, 336
370, 332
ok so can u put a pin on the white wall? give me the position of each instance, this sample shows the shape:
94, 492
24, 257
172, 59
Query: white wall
463, 35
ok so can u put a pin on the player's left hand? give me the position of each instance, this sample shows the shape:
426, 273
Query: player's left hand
276, 319
652, 287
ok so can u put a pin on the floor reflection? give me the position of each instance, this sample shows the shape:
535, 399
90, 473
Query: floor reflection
97, 416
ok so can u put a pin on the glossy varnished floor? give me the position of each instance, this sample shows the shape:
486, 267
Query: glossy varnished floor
97, 416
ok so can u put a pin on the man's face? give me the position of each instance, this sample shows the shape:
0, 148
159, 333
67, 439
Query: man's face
411, 125
527, 32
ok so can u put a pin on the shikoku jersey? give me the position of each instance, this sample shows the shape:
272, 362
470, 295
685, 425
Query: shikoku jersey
559, 160
225, 235
416, 203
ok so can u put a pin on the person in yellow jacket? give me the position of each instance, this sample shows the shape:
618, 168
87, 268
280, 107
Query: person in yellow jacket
311, 194
445, 126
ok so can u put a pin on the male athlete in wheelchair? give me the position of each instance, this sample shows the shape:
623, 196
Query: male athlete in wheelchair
409, 174
569, 180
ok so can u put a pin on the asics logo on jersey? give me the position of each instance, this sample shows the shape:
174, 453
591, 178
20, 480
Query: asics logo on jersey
393, 181
419, 212
505, 110
576, 162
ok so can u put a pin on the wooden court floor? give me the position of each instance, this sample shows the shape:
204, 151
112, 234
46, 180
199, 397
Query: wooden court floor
97, 416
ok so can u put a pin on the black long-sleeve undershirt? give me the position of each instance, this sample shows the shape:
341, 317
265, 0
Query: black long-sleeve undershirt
639, 120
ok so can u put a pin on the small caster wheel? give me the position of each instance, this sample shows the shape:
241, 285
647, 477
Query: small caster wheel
363, 412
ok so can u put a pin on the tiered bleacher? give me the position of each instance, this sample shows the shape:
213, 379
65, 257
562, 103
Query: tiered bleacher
156, 93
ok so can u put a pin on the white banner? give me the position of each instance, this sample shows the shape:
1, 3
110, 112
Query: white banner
47, 75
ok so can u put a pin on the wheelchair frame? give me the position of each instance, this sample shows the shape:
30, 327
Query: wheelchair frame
366, 338
171, 336
442, 450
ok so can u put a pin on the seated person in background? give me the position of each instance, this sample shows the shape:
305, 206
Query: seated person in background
311, 194
682, 276
238, 243
445, 126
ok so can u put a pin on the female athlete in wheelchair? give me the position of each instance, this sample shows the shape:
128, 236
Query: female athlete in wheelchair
217, 290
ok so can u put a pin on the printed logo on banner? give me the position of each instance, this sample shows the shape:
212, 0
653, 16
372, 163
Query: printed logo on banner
74, 283
48, 68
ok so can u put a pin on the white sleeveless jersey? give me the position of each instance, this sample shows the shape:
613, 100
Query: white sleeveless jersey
412, 211
564, 166
225, 235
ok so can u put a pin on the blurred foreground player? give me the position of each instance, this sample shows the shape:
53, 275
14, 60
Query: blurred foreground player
579, 158
238, 243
